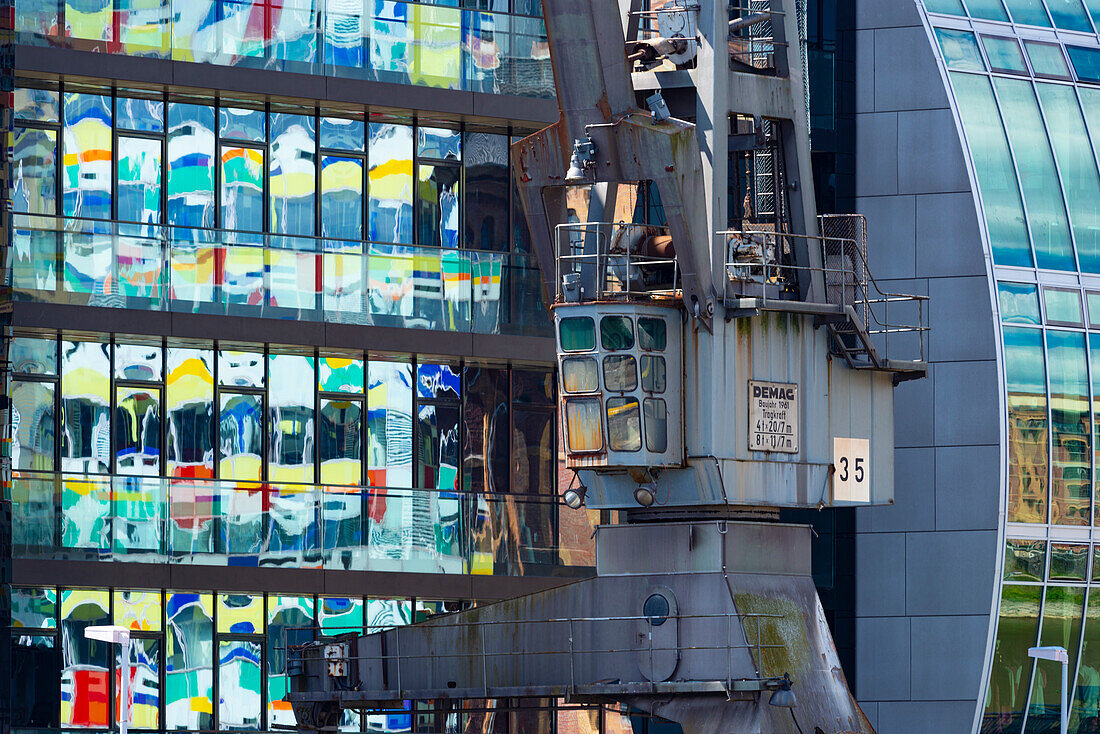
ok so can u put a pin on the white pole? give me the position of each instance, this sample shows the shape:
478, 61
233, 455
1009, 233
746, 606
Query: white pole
1065, 698
124, 709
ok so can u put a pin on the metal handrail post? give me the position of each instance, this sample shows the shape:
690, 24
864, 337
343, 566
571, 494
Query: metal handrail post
572, 672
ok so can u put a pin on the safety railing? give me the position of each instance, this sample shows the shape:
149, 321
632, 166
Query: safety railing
225, 272
242, 523
582, 648
614, 261
399, 42
752, 41
761, 265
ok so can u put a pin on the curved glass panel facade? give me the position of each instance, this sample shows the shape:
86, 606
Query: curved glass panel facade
1020, 83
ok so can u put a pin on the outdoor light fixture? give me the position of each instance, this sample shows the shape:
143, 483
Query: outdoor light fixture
113, 634
784, 697
574, 498
644, 495
1057, 654
584, 157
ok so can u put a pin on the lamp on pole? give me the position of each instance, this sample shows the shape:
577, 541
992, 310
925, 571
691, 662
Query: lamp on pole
1059, 655
113, 634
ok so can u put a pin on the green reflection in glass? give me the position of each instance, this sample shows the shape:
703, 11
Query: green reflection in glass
1019, 303
33, 608
1080, 181
987, 9
960, 50
1063, 306
1028, 12
1004, 211
948, 7
1085, 706
577, 334
1069, 15
1092, 302
1069, 561
339, 615
1025, 560
1004, 54
1038, 177
1009, 676
1086, 61
1046, 59
1071, 489
1025, 377
1062, 611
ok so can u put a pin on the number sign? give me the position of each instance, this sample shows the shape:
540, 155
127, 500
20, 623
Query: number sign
851, 470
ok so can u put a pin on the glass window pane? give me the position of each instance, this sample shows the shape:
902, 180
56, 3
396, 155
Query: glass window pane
1038, 177
291, 394
1062, 611
960, 50
437, 382
438, 143
580, 374
1069, 396
240, 614
1004, 54
189, 661
1063, 306
239, 684
438, 454
535, 387
40, 105
85, 407
652, 333
391, 183
30, 356
534, 460
341, 133
948, 7
138, 362
1069, 562
241, 436
624, 427
1028, 12
1092, 302
1094, 11
620, 372
33, 608
339, 615
339, 437
85, 663
190, 185
1025, 560
1094, 364
242, 188
190, 409
1046, 59
1025, 375
139, 161
1010, 678
1080, 182
389, 416
340, 374
1069, 15
577, 334
987, 9
241, 124
1019, 303
146, 115
1085, 706
284, 614
653, 373
137, 431
487, 189
616, 332
438, 195
487, 430
342, 198
240, 368
137, 610
34, 171
656, 425
32, 425
292, 174
583, 426
1001, 202
35, 670
87, 156
1086, 61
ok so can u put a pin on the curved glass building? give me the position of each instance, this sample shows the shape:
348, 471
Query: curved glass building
977, 128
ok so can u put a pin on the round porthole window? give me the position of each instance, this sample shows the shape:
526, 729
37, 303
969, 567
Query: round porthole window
656, 609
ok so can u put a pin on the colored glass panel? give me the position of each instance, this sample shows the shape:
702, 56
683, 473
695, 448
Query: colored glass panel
1025, 374
189, 661
87, 157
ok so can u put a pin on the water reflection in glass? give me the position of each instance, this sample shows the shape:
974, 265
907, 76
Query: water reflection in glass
1010, 672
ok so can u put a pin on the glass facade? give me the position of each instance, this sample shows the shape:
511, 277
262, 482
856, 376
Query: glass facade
488, 46
309, 216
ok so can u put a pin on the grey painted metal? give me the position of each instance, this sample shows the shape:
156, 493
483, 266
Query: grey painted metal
743, 606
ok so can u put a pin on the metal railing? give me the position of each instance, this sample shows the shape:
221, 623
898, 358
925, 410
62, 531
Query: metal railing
614, 260
405, 669
751, 38
761, 265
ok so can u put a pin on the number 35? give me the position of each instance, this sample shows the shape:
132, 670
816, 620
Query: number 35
857, 470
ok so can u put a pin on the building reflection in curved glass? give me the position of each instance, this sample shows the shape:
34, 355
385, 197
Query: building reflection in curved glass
1025, 377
